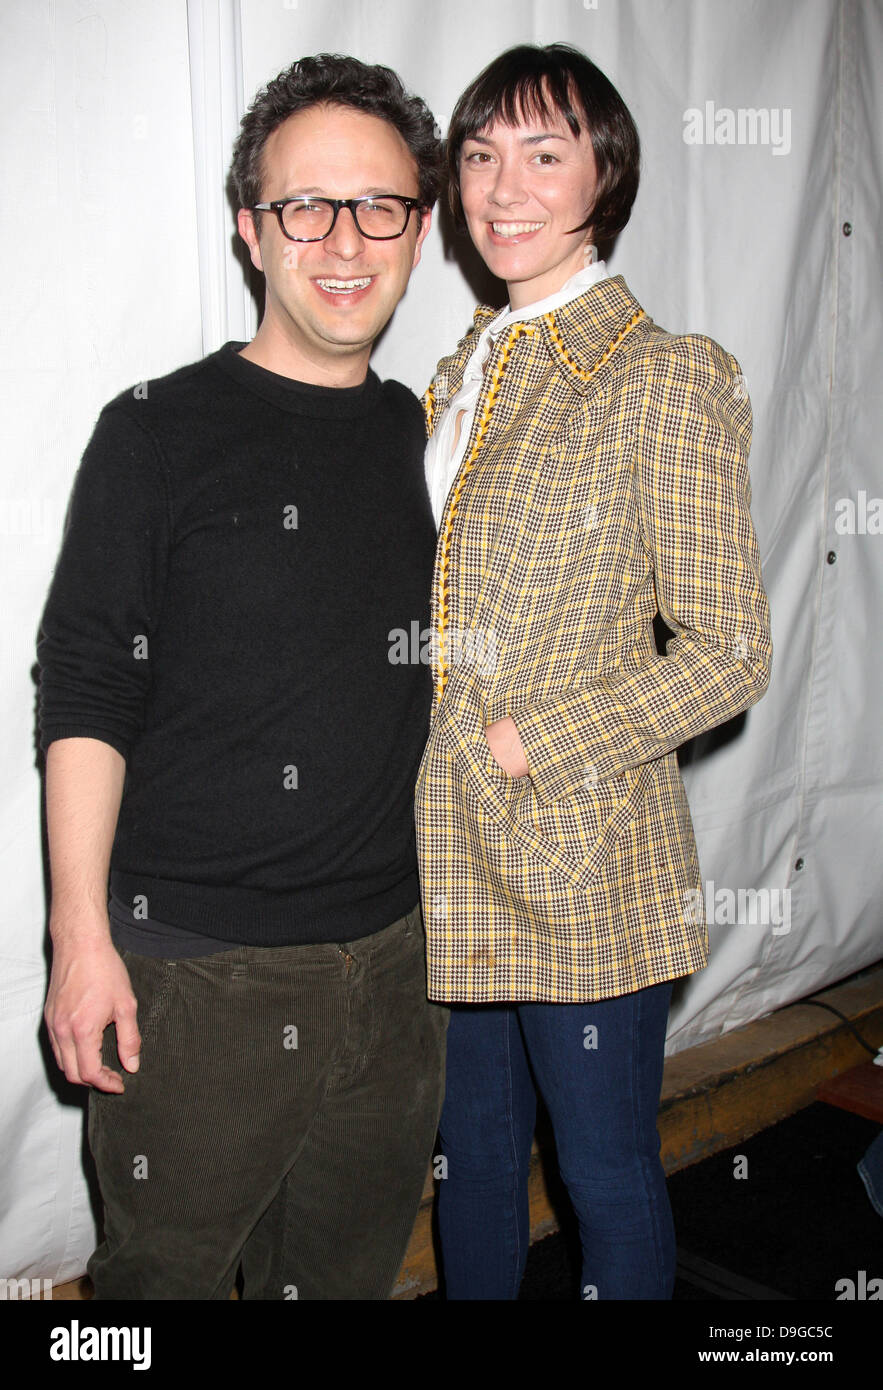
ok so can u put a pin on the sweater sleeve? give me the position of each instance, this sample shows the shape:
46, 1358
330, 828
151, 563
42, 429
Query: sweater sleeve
106, 594
693, 492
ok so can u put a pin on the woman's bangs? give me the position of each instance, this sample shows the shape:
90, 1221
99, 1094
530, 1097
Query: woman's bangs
530, 96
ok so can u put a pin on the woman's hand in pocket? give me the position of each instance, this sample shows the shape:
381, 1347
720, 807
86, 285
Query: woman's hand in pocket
504, 742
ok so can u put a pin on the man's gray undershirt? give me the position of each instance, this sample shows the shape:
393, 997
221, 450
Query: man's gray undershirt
145, 937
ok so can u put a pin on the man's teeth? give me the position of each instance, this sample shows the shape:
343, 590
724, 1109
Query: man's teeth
516, 228
343, 286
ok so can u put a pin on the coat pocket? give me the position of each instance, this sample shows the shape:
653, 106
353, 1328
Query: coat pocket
574, 835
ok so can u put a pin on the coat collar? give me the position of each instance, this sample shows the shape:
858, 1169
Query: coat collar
576, 336
581, 334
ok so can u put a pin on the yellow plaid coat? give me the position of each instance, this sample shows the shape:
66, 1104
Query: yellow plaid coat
605, 476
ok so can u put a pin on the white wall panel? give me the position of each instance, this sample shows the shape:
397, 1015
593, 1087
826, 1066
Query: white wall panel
100, 291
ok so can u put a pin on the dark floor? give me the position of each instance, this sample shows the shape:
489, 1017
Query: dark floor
799, 1222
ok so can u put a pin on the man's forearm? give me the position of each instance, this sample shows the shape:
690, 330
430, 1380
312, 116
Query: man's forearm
84, 787
89, 987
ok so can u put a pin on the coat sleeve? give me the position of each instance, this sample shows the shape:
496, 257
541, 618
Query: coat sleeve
693, 501
106, 594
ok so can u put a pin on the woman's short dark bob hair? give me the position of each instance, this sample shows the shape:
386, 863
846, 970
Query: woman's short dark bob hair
555, 81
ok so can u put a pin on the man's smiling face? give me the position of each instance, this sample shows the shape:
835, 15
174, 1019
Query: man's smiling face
326, 301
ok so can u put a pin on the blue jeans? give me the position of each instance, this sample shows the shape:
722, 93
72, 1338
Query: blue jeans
602, 1091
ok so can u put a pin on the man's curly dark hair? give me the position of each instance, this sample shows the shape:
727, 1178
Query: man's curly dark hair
334, 80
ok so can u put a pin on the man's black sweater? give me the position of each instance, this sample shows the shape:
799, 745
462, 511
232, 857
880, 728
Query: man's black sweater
239, 551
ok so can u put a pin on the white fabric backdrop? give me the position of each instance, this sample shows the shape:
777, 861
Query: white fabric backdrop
118, 116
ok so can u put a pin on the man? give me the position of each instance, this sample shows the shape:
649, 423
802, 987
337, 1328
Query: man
226, 734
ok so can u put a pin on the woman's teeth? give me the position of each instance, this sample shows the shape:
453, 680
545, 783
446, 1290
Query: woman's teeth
516, 228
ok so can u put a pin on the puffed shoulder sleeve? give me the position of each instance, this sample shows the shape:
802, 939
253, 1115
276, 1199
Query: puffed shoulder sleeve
106, 594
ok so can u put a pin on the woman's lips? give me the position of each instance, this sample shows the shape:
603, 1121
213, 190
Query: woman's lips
513, 233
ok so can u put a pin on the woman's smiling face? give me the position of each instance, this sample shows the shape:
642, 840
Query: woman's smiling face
526, 190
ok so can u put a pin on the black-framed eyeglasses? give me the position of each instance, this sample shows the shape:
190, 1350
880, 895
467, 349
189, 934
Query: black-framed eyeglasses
379, 218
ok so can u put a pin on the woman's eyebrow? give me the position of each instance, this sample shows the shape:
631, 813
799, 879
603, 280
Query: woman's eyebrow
525, 139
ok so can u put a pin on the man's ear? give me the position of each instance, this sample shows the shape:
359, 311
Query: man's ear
425, 224
248, 231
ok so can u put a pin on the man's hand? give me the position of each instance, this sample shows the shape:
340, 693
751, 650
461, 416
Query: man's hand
505, 743
89, 989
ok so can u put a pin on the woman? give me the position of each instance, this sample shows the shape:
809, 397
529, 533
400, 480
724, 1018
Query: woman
587, 470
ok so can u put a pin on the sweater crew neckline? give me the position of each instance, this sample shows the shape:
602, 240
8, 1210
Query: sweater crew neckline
299, 397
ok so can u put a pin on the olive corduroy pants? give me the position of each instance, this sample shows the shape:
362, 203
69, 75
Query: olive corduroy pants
283, 1115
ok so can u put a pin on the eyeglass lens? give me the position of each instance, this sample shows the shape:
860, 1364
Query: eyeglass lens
309, 220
